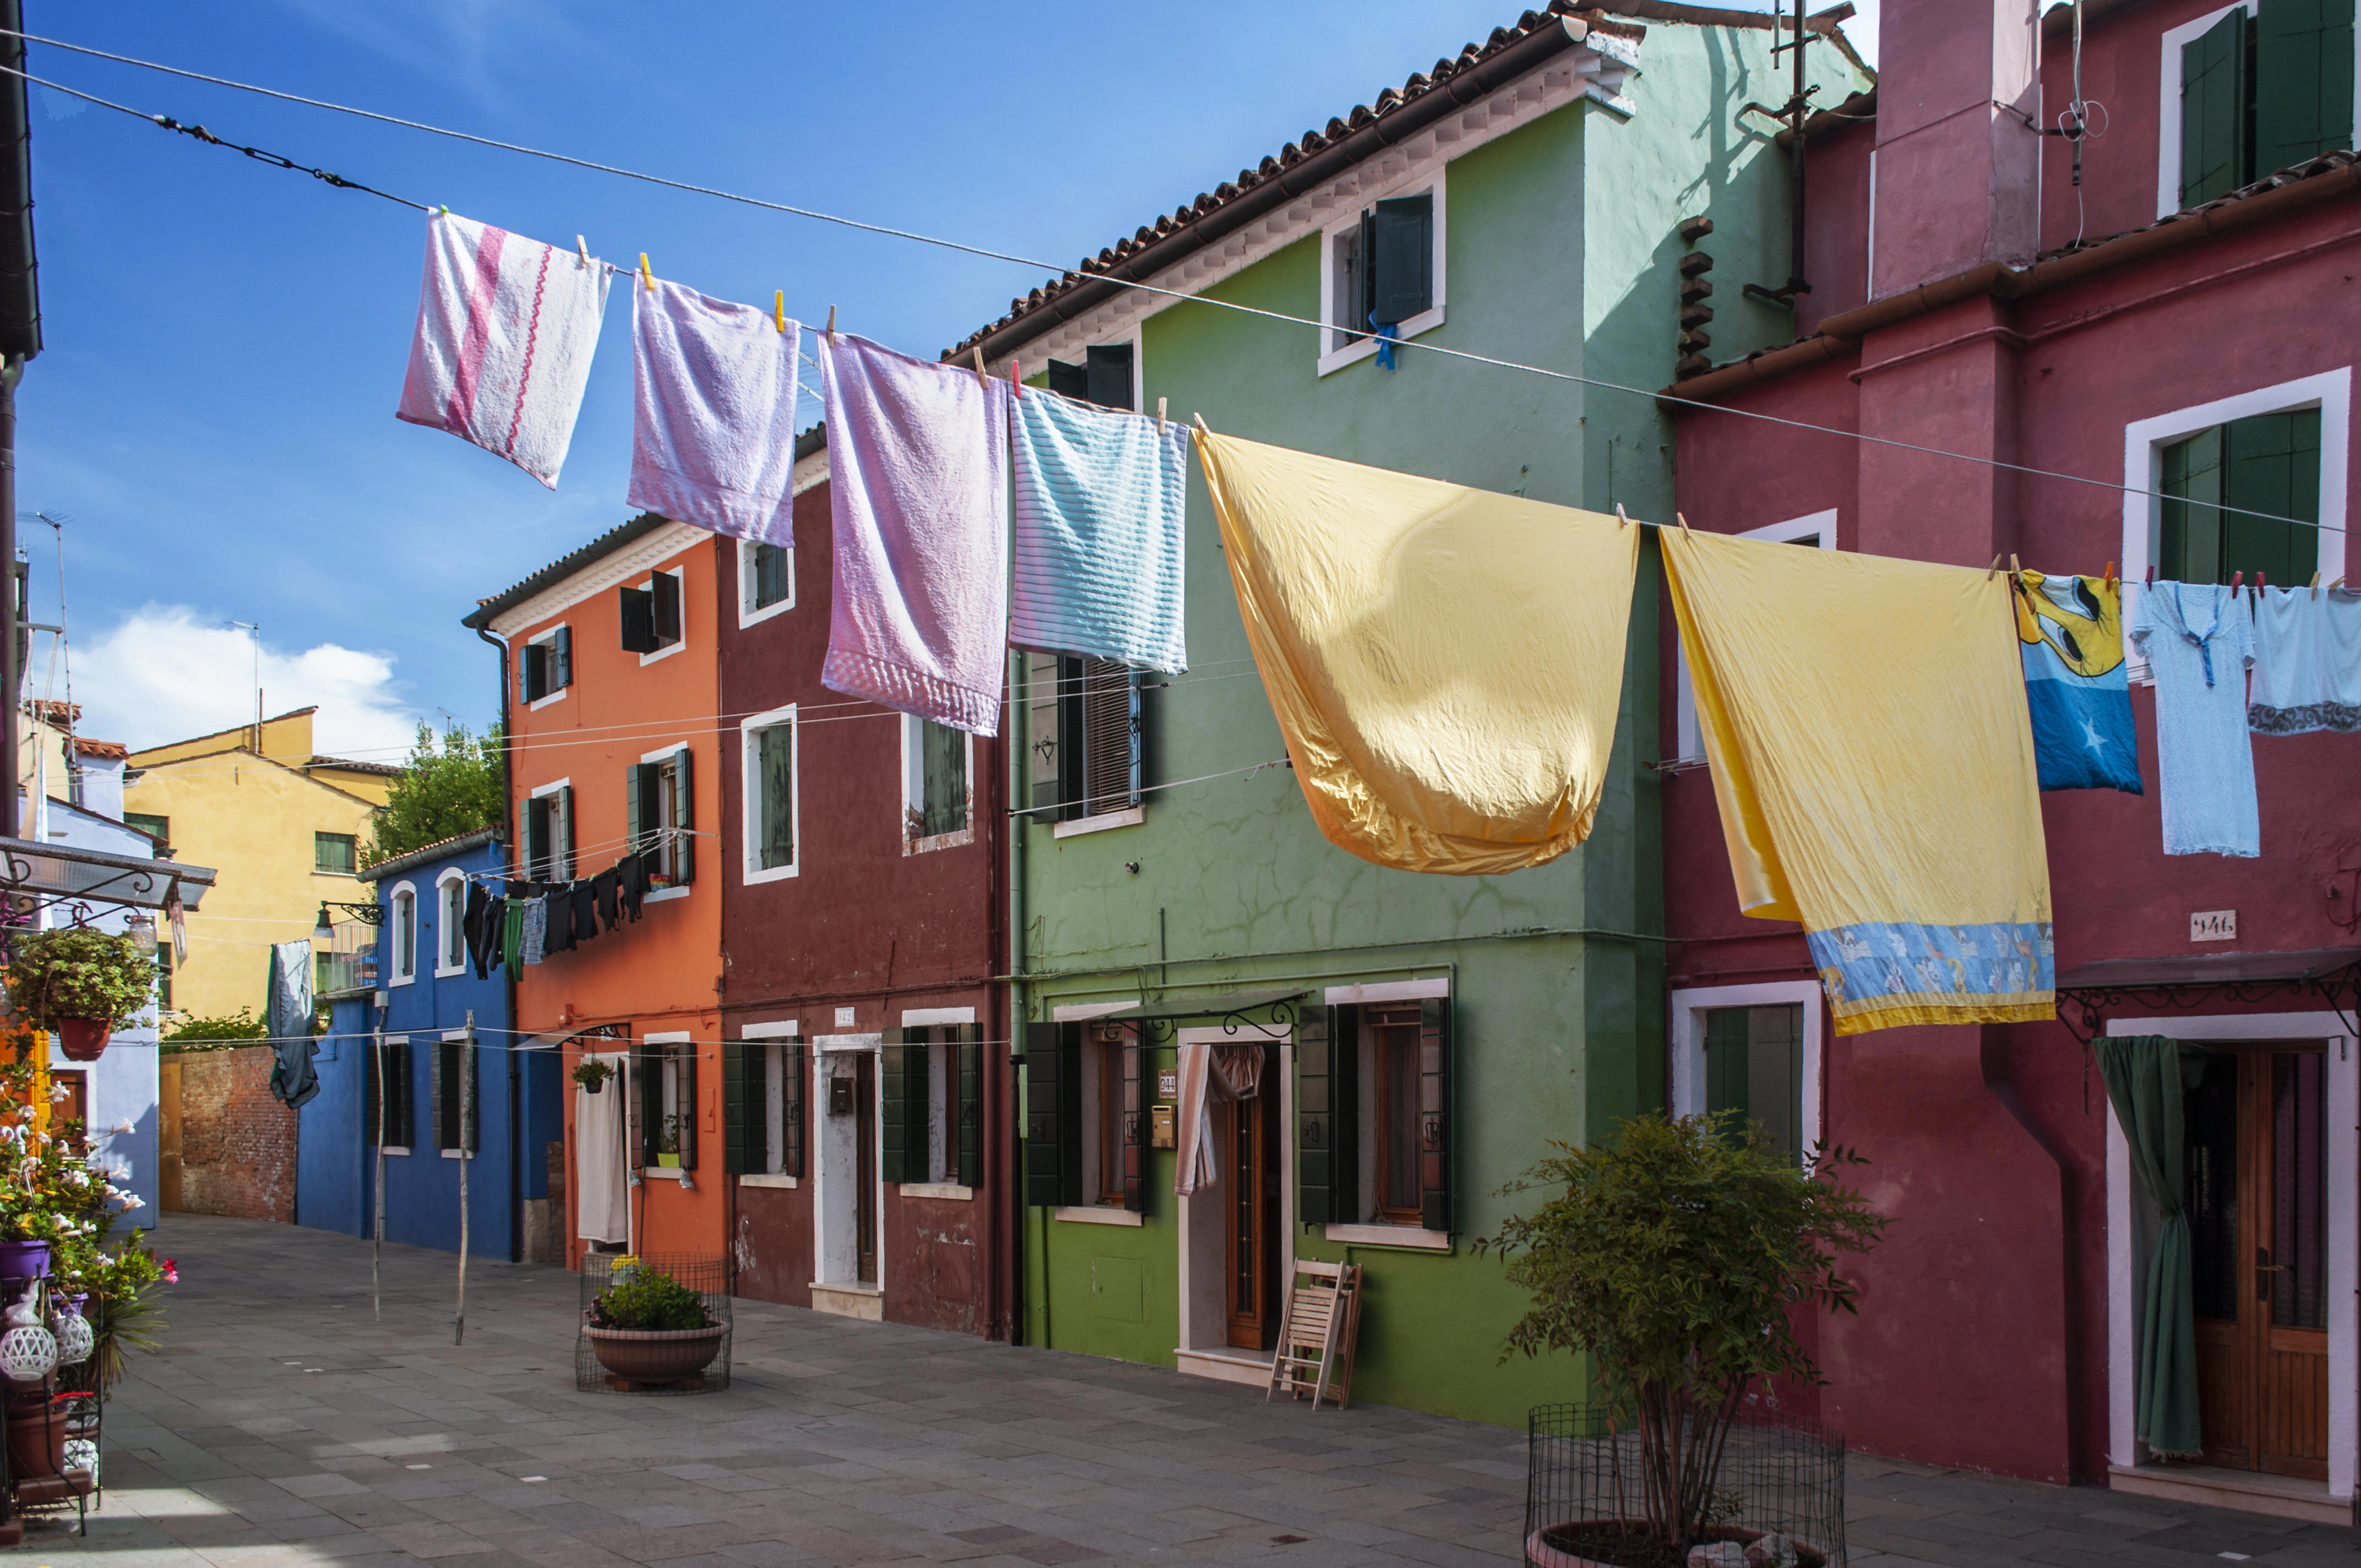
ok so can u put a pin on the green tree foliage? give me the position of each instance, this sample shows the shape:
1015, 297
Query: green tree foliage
443, 791
214, 1034
1674, 1254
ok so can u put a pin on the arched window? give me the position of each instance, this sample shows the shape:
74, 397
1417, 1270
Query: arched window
404, 935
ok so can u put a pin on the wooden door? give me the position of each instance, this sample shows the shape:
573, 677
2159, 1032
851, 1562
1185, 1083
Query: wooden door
2257, 1130
70, 1109
864, 1198
168, 1134
1250, 1224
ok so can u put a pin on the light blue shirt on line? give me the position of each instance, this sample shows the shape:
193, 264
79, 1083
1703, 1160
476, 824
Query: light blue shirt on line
2199, 641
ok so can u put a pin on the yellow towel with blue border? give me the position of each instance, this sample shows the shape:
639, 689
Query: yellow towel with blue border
1865, 719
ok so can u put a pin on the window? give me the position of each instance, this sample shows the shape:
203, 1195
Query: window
403, 934
2250, 90
1384, 268
931, 1105
659, 809
651, 616
450, 924
766, 580
2214, 480
545, 668
767, 747
1373, 1114
1086, 737
335, 853
549, 834
457, 1089
762, 1079
157, 828
1106, 377
1817, 531
1113, 1055
1754, 1065
392, 1096
1085, 1132
164, 975
667, 1109
935, 808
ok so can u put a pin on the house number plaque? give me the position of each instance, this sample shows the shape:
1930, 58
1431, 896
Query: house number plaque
1168, 1087
2213, 925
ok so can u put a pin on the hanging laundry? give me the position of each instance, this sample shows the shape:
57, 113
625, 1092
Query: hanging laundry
177, 913
631, 884
2307, 663
471, 921
512, 932
1209, 1072
486, 949
1100, 514
1446, 664
287, 1014
582, 906
713, 426
2199, 641
505, 327
557, 922
918, 500
605, 888
1874, 771
2070, 630
601, 1200
536, 929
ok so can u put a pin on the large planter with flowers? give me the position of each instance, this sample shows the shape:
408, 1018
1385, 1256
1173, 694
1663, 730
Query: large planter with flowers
84, 984
648, 1328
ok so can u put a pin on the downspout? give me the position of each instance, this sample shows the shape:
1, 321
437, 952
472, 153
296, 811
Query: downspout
1018, 747
508, 984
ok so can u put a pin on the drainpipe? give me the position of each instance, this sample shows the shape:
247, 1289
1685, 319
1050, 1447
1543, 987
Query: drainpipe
1018, 747
11, 673
508, 986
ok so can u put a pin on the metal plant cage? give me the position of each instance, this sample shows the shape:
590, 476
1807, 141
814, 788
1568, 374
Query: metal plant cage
1779, 1476
705, 1273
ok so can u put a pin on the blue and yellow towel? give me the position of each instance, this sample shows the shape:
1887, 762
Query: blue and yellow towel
2071, 632
1865, 722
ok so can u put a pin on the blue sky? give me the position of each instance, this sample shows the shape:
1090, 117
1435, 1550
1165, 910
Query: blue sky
213, 416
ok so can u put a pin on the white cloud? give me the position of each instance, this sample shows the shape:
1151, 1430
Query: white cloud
165, 673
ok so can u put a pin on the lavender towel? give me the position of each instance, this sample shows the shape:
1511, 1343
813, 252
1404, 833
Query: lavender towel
918, 496
505, 327
713, 426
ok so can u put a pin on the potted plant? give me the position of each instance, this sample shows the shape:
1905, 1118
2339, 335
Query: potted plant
647, 1327
1678, 1254
592, 1074
82, 983
669, 1143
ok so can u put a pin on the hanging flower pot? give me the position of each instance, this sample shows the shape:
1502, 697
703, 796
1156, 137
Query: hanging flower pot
592, 1074
82, 1039
81, 983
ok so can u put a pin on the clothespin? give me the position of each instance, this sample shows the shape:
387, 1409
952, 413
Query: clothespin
2013, 570
2151, 574
2111, 576
981, 378
646, 275
1201, 422
2235, 579
2337, 585
1015, 377
1159, 416
1996, 570
779, 310
2315, 584
832, 321
1620, 520
1683, 521
581, 252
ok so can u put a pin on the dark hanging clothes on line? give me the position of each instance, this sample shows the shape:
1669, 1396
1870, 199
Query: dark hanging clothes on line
471, 923
584, 899
606, 885
633, 871
484, 943
558, 911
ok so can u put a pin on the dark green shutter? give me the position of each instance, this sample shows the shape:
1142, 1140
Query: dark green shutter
561, 650
1135, 1121
638, 612
1402, 259
774, 774
1365, 275
639, 797
1069, 381
471, 1103
1434, 1075
649, 1061
1316, 1034
743, 1140
902, 1107
2190, 549
1053, 1114
2272, 467
685, 1059
1072, 734
794, 1072
942, 779
1041, 736
536, 838
562, 837
2214, 154
536, 671
684, 818
372, 1090
438, 1099
664, 588
2303, 81
402, 1070
969, 1106
1107, 375
1727, 1066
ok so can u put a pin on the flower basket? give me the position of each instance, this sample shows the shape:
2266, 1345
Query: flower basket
656, 1355
82, 1039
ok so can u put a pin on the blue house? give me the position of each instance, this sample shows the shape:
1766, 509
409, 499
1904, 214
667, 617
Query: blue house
402, 990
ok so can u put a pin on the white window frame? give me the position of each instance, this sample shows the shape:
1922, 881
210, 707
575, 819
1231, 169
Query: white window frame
648, 584
399, 928
667, 1038
1407, 184
1135, 336
2167, 119
942, 1082
566, 815
450, 910
914, 791
2330, 392
1688, 740
751, 871
1382, 1233
677, 890
748, 615
772, 1038
1689, 1008
548, 635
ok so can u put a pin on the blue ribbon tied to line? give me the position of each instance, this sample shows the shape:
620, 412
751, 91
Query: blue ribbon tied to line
1388, 334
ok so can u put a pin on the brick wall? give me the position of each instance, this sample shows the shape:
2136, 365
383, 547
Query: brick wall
237, 1142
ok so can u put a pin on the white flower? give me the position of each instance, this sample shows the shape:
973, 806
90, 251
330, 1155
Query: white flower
124, 1127
132, 1201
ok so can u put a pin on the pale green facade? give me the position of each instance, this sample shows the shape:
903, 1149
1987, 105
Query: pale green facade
1560, 250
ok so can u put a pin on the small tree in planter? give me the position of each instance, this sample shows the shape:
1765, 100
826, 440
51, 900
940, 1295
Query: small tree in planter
1676, 1254
82, 983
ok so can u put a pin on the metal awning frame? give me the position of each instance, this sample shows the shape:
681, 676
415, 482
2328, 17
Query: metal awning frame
1160, 1022
2339, 987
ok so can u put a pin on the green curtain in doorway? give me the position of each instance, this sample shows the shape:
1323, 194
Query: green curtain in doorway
2147, 1076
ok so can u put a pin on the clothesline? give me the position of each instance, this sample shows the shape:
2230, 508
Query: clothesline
1177, 295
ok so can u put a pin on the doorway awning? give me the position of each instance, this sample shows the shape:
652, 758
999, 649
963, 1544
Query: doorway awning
1229, 1008
2187, 982
62, 874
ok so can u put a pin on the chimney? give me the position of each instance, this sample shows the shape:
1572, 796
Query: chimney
1958, 165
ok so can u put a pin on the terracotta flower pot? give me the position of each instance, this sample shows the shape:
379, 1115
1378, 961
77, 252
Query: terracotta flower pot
37, 1441
656, 1355
82, 1039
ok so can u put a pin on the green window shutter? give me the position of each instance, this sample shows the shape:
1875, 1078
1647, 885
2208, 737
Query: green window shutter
742, 1107
536, 838
438, 1093
684, 818
796, 1072
775, 774
2192, 486
2303, 81
1053, 1114
372, 1091
1041, 671
561, 653
637, 611
666, 589
536, 671
686, 1066
1727, 1075
639, 797
942, 764
968, 1066
1402, 258
1365, 275
1134, 1123
650, 1062
1434, 1075
404, 1073
2271, 465
1069, 381
1073, 736
562, 837
2215, 153
470, 1096
1111, 750
1314, 1124
770, 575
894, 1112
1107, 375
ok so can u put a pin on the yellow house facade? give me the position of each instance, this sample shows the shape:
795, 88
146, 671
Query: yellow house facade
284, 827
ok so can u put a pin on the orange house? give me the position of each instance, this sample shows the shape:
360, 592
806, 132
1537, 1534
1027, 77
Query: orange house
609, 660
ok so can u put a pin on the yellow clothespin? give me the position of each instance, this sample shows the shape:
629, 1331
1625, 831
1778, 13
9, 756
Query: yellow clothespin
779, 310
1159, 416
646, 275
1620, 520
832, 321
581, 252
1996, 570
2315, 584
981, 378
1682, 520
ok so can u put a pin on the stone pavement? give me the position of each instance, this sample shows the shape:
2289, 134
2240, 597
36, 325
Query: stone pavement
283, 1426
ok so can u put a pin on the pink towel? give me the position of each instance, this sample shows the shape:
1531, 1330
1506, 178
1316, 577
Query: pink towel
917, 458
506, 328
713, 429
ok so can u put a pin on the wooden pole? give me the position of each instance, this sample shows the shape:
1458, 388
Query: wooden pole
466, 1118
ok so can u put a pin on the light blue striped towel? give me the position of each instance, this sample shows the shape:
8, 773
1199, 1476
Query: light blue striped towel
1101, 506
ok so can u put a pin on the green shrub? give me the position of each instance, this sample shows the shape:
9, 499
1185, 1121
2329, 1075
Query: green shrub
645, 1298
214, 1034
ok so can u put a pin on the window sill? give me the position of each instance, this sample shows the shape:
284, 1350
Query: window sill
769, 1178
755, 875
317, 871
945, 1189
454, 1154
1405, 1236
453, 973
939, 841
390, 1150
1426, 320
1096, 1216
658, 895
537, 704
1131, 816
663, 1172
401, 980
666, 651
761, 613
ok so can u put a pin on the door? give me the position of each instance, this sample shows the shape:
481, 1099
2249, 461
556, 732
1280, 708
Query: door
168, 1134
70, 1109
1250, 1221
864, 1185
2257, 1135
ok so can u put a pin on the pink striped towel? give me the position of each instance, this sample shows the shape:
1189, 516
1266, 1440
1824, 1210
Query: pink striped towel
506, 328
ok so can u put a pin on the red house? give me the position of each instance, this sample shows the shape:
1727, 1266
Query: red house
866, 1066
2129, 327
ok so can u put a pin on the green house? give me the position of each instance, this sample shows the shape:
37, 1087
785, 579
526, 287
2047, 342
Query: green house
1410, 1043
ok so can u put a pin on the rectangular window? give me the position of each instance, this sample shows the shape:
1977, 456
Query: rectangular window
1384, 271
667, 1108
335, 853
1373, 1113
549, 834
767, 579
771, 797
1087, 736
164, 975
393, 1095
651, 615
931, 1105
1119, 1111
659, 808
1754, 1065
1104, 377
2226, 488
2263, 87
457, 1089
157, 828
935, 800
546, 665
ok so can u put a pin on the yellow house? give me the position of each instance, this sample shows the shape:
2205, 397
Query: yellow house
284, 826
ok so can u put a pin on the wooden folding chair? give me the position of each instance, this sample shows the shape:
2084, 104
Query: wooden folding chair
1317, 1334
